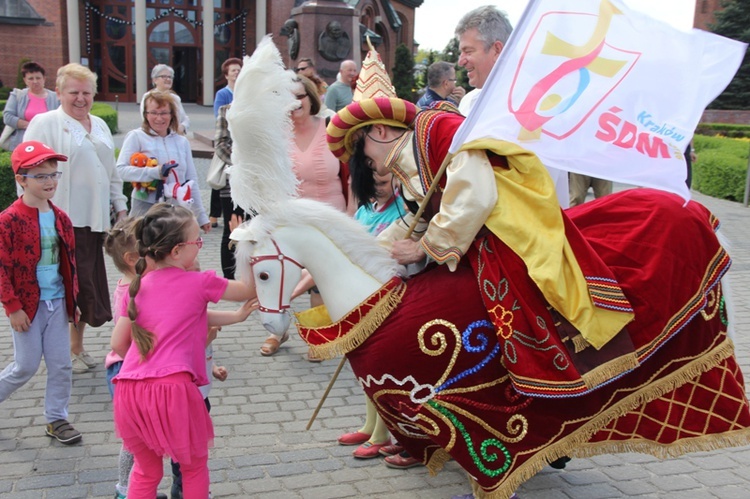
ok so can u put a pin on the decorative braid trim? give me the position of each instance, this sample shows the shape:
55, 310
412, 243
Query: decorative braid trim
362, 327
575, 444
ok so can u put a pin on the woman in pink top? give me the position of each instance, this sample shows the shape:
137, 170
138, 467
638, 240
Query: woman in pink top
161, 335
314, 164
24, 104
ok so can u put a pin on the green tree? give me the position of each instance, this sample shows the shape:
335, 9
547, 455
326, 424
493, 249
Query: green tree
734, 22
403, 73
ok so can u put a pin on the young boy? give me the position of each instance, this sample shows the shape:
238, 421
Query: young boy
38, 284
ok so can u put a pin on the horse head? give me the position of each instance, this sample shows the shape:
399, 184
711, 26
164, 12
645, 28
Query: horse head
267, 263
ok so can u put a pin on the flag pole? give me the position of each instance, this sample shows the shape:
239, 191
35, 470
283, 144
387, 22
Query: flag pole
412, 226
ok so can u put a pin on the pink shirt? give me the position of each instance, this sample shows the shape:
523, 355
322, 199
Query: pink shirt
36, 105
172, 304
318, 171
121, 291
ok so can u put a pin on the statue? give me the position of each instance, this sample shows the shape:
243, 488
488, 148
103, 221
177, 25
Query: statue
290, 29
334, 43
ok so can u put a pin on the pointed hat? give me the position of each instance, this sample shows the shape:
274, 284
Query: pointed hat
373, 80
374, 101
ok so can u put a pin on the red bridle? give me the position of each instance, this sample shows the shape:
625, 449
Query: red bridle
282, 259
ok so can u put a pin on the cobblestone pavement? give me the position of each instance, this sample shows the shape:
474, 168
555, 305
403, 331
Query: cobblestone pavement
263, 450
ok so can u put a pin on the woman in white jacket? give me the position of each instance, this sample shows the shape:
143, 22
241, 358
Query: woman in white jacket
158, 138
87, 188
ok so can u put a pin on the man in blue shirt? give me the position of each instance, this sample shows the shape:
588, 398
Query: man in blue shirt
441, 85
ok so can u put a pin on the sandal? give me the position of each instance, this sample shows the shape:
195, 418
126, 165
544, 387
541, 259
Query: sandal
311, 357
272, 344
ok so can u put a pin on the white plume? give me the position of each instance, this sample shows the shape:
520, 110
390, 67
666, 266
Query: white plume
261, 128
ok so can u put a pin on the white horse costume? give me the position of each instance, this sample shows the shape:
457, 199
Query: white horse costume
425, 350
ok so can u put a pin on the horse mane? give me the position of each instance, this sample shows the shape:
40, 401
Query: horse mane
344, 232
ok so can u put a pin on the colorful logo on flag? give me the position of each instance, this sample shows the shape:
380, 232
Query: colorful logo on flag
580, 70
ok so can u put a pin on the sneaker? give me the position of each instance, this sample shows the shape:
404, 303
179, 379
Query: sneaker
87, 359
63, 432
79, 366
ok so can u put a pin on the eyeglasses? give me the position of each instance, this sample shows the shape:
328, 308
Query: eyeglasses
198, 242
300, 96
297, 70
43, 177
165, 77
451, 79
159, 114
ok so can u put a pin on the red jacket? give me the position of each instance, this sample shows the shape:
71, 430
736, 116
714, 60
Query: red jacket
20, 252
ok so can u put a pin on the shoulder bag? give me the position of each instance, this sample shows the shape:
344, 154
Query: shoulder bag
217, 173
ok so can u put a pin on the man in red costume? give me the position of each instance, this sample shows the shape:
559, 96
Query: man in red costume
574, 295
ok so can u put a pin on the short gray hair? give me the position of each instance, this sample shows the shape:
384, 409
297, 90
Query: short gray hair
159, 68
437, 72
491, 23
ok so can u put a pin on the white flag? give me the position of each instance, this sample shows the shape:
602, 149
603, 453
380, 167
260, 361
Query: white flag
593, 87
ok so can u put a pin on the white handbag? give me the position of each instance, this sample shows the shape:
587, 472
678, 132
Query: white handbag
5, 137
217, 173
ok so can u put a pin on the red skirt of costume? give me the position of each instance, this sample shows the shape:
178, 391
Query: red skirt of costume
446, 383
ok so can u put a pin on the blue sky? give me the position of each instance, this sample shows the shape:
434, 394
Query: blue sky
436, 19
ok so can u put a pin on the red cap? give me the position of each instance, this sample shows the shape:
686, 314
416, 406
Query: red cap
32, 153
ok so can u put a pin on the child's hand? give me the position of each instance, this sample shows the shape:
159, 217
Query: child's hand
220, 373
246, 309
19, 321
212, 332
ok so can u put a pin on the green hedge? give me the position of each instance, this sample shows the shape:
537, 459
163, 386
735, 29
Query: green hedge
725, 129
107, 113
2, 104
7, 181
721, 169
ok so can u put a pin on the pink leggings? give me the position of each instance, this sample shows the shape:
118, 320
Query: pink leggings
149, 470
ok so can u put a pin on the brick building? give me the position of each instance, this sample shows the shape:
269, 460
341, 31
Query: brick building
121, 40
704, 13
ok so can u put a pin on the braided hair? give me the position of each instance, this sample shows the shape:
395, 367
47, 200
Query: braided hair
161, 229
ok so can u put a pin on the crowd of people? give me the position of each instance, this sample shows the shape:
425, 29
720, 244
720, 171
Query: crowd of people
54, 292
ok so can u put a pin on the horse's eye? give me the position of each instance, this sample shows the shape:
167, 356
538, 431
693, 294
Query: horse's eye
263, 276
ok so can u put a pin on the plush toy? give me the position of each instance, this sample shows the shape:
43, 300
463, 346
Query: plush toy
180, 192
142, 189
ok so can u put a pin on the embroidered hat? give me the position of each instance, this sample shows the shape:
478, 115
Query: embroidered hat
387, 111
32, 153
373, 80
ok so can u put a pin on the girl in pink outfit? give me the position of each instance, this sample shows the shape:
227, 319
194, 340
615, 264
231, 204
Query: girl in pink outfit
121, 246
161, 336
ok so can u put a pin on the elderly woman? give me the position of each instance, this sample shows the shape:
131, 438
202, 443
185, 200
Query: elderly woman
162, 77
87, 188
158, 138
24, 104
